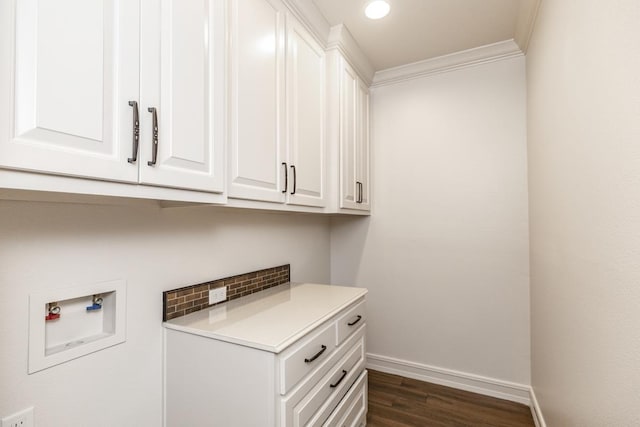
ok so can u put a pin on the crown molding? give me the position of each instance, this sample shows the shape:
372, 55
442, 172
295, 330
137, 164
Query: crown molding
341, 39
466, 58
309, 15
527, 16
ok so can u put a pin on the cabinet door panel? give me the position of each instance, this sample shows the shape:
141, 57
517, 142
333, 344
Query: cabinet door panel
348, 136
306, 115
257, 100
362, 147
183, 52
73, 66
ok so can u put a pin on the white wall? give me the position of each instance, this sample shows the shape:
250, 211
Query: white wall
583, 69
445, 253
54, 245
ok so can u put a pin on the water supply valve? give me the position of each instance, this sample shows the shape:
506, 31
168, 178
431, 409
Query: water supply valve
54, 311
96, 304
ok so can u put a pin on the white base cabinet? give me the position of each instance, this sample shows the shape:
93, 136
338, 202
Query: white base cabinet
319, 380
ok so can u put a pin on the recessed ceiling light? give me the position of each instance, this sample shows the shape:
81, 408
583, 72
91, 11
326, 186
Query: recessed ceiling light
377, 9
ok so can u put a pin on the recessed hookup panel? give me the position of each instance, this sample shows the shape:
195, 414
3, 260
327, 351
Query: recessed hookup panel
68, 323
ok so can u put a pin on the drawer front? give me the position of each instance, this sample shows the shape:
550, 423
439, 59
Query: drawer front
316, 407
303, 358
349, 322
352, 410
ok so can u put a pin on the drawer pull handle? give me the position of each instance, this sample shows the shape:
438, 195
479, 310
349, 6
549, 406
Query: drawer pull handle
344, 374
355, 321
324, 347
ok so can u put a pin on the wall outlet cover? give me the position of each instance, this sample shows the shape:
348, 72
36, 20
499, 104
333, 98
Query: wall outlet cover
217, 295
20, 419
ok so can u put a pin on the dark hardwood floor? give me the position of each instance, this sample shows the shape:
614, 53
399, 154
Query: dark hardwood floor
398, 402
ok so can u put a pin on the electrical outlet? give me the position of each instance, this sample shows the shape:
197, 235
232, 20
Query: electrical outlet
217, 295
20, 419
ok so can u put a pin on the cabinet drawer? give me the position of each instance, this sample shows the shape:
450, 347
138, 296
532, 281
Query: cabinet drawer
352, 410
316, 407
303, 358
349, 322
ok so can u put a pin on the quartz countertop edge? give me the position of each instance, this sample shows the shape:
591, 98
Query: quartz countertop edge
294, 309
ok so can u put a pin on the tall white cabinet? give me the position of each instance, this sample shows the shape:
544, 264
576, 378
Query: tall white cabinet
354, 139
277, 106
114, 90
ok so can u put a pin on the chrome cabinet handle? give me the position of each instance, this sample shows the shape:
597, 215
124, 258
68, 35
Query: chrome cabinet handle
355, 321
286, 177
359, 192
315, 356
293, 168
154, 152
136, 132
344, 374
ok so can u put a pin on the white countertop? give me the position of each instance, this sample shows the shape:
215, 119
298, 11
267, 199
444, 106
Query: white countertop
270, 320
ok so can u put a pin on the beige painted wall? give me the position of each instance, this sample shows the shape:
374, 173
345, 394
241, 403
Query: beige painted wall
583, 71
46, 245
445, 253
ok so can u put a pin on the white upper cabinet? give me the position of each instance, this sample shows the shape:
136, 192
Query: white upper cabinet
362, 154
69, 70
87, 77
257, 100
182, 94
277, 107
306, 115
354, 140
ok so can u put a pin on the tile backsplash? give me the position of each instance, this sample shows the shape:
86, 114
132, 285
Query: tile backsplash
189, 299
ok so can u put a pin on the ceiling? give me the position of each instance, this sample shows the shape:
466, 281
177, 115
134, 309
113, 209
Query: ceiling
417, 30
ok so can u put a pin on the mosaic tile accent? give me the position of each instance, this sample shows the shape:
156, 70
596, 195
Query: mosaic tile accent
178, 302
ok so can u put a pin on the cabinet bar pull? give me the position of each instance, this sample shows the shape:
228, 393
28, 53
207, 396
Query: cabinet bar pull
344, 374
136, 132
286, 177
358, 192
295, 180
355, 321
324, 347
154, 148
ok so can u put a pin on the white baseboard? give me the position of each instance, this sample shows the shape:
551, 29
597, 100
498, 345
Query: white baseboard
469, 382
536, 411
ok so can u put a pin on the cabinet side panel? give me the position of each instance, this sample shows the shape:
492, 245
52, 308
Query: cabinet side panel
210, 382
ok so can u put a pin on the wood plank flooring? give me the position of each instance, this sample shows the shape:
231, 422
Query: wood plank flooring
399, 402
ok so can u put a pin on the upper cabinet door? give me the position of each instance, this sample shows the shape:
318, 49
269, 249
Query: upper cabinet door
182, 94
306, 117
354, 140
256, 133
68, 69
362, 149
349, 132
